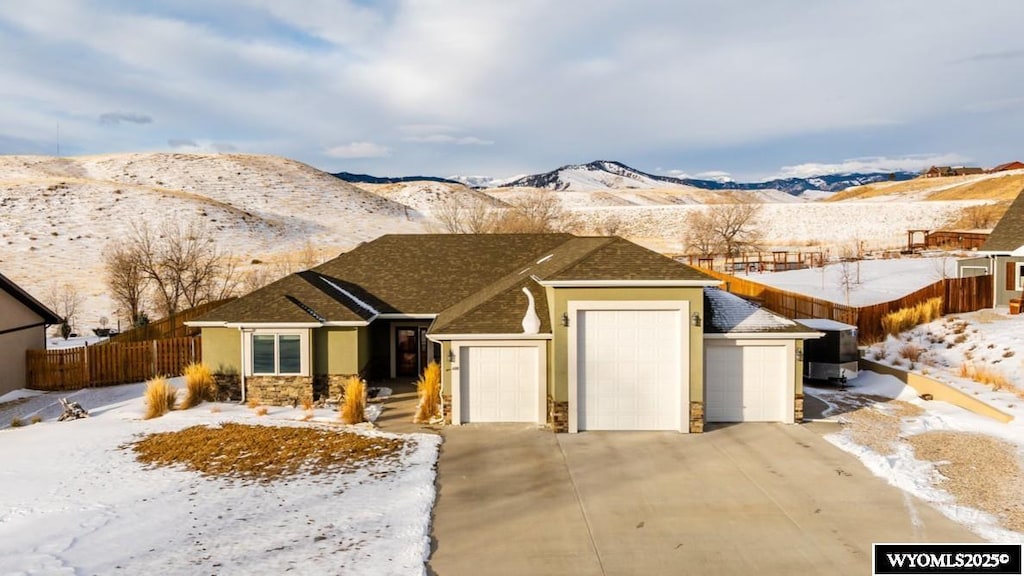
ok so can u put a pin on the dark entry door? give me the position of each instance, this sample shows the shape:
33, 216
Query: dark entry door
407, 346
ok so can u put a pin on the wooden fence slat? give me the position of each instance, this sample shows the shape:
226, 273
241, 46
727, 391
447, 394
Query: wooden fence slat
959, 295
109, 363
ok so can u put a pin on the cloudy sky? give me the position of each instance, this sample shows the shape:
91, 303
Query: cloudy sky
480, 87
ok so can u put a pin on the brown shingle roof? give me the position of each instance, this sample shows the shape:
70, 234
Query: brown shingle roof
1008, 235
473, 282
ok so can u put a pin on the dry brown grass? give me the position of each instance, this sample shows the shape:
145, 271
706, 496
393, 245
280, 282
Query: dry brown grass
307, 403
17, 422
36, 419
160, 397
980, 471
253, 402
985, 375
964, 188
199, 385
262, 453
261, 410
353, 407
429, 390
910, 351
904, 319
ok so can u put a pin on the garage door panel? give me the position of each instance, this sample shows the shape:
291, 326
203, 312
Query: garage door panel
746, 383
499, 384
628, 369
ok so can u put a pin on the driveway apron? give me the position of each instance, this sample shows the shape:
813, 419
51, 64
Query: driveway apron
749, 498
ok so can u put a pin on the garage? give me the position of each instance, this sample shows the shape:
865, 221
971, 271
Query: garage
499, 383
629, 369
747, 382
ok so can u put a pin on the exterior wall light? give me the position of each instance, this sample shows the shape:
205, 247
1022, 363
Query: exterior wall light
695, 319
565, 319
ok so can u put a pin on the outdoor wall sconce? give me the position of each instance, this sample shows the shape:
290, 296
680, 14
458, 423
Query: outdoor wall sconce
565, 319
799, 354
695, 319
451, 356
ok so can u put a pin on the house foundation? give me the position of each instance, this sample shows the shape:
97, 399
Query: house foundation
696, 417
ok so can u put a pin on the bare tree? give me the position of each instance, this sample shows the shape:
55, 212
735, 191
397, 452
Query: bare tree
610, 226
125, 280
65, 300
535, 212
701, 236
848, 276
728, 228
181, 265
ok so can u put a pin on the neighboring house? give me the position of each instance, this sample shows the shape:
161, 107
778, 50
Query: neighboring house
581, 333
23, 322
938, 172
1015, 165
966, 171
1002, 256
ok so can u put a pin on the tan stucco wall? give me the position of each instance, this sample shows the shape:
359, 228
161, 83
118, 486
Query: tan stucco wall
14, 314
336, 350
798, 368
558, 302
222, 350
446, 368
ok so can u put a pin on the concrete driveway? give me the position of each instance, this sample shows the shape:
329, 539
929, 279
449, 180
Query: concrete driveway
743, 499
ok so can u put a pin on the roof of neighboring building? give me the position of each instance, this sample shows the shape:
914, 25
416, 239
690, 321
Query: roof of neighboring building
48, 316
726, 313
1008, 235
472, 282
1015, 165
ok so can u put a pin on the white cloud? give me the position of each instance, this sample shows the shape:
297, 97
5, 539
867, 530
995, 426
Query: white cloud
877, 164
358, 150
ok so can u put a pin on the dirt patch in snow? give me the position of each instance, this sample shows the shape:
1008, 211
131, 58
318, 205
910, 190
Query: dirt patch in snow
979, 471
877, 423
263, 453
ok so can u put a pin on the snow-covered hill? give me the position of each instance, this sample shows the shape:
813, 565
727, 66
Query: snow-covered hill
59, 214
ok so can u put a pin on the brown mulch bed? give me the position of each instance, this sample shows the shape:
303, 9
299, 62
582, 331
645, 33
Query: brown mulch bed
262, 453
979, 471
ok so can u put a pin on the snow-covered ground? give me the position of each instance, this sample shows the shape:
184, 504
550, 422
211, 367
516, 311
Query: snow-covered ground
875, 281
74, 499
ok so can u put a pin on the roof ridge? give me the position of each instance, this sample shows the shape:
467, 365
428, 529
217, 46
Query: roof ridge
597, 246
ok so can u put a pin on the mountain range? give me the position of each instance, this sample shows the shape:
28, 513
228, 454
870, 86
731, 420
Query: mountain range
612, 175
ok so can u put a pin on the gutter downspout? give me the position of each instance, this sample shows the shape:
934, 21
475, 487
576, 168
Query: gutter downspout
241, 336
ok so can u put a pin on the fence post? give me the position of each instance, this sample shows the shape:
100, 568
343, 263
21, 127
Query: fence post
153, 374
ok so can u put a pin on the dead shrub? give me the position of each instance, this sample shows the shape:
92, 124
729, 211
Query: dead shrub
911, 352
160, 397
261, 410
17, 422
429, 390
36, 419
307, 403
353, 407
985, 375
199, 385
253, 402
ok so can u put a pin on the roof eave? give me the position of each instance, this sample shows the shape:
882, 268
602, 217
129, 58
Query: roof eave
763, 335
519, 336
629, 283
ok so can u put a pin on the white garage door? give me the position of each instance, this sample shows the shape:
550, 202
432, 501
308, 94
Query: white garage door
628, 369
745, 383
499, 383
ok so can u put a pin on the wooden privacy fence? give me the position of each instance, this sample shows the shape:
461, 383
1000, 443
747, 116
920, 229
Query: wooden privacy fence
958, 295
170, 327
110, 363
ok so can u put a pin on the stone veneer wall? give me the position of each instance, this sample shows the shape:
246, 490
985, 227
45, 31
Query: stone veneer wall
798, 408
558, 415
228, 387
696, 417
331, 386
279, 390
446, 408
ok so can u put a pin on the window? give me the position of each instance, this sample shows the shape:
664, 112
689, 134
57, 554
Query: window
1020, 275
278, 353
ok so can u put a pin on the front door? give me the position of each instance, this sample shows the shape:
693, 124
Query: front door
407, 348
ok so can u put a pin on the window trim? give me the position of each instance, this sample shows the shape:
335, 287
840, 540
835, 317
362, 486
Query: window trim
1019, 269
304, 351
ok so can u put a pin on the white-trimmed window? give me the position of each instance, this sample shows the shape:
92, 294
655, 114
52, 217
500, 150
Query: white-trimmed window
1020, 276
278, 353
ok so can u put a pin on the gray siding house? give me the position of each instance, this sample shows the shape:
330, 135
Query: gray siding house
23, 322
1002, 256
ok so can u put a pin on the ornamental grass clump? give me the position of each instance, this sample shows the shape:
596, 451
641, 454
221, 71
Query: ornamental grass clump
353, 407
160, 397
906, 318
199, 385
428, 387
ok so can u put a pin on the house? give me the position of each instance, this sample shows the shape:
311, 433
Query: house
1002, 256
23, 322
938, 172
1015, 165
966, 171
579, 333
